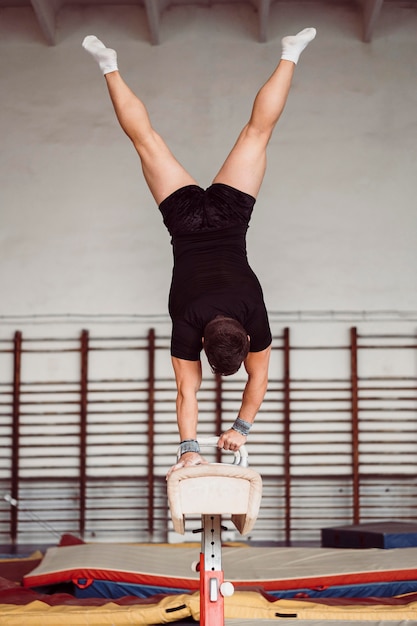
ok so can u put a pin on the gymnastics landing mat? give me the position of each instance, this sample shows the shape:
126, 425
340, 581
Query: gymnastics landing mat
284, 572
255, 572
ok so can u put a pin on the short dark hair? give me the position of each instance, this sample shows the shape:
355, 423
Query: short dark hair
226, 344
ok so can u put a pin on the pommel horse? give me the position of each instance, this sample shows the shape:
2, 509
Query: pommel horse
211, 491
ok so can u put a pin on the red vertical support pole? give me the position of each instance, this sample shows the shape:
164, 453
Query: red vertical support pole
287, 435
17, 368
211, 611
219, 412
355, 423
211, 573
84, 348
151, 429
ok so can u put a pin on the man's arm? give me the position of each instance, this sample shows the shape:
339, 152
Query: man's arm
256, 365
188, 379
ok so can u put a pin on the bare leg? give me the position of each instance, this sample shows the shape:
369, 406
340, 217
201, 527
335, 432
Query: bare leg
245, 166
162, 172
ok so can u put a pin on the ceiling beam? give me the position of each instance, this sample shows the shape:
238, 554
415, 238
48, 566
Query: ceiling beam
371, 11
46, 12
263, 17
153, 13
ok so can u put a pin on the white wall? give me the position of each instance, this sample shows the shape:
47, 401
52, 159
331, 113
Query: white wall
335, 224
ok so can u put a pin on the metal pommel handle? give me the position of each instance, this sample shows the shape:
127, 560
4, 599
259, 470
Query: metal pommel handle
241, 455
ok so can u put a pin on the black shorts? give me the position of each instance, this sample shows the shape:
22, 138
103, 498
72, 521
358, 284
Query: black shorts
193, 209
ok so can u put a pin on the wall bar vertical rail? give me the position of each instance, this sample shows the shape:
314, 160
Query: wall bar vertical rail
151, 428
17, 369
355, 423
219, 412
84, 348
287, 434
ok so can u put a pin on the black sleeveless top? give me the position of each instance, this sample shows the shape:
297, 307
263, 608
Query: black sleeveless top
211, 274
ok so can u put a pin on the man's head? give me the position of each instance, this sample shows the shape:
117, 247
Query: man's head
226, 345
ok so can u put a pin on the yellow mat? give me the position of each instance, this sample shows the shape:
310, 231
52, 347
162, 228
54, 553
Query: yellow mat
242, 605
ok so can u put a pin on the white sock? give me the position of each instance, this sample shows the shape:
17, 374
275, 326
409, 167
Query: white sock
105, 57
293, 45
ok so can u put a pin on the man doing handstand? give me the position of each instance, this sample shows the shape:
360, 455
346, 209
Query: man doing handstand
215, 300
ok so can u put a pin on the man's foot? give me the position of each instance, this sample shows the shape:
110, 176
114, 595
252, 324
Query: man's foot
293, 45
188, 459
105, 57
